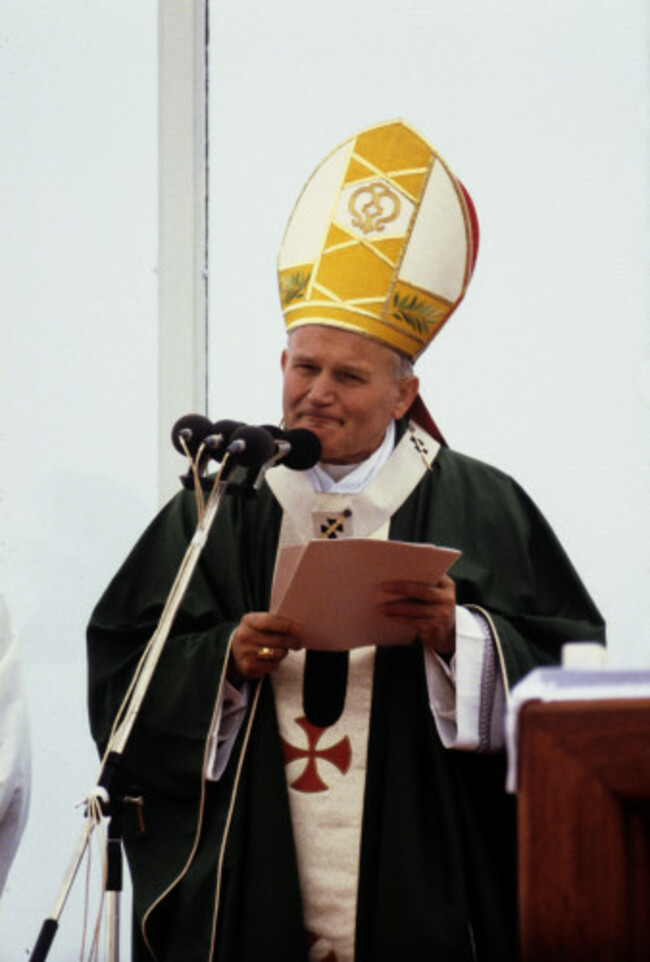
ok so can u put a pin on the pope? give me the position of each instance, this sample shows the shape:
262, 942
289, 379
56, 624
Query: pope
343, 805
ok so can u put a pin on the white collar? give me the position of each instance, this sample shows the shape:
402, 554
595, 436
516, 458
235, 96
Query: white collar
367, 510
350, 478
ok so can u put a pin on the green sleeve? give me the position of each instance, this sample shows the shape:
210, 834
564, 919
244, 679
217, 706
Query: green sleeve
232, 577
512, 565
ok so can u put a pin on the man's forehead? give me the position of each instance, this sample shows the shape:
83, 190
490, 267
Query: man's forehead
347, 347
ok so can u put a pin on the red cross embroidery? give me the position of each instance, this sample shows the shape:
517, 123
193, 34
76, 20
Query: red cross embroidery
339, 755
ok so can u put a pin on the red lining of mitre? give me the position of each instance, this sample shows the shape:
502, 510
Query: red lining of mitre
473, 223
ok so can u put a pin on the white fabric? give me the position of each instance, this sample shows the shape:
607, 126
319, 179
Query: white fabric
15, 755
568, 684
383, 494
349, 479
467, 698
303, 239
326, 800
437, 254
225, 727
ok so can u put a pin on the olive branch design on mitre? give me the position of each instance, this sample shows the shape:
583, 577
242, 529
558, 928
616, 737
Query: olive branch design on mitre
416, 313
293, 286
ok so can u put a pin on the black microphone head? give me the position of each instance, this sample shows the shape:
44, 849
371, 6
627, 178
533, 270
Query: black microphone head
226, 427
192, 429
251, 447
273, 430
305, 449
219, 436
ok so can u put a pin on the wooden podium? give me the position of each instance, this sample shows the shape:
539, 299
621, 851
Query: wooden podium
584, 830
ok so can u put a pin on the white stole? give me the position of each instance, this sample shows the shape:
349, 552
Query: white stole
326, 768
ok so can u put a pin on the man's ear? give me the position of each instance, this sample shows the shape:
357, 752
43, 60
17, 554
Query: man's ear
284, 357
408, 388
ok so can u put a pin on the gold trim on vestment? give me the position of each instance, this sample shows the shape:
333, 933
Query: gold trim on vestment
497, 644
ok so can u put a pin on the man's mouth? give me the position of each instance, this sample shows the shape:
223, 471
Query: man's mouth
318, 420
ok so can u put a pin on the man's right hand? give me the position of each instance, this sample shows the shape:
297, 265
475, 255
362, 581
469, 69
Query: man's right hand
260, 642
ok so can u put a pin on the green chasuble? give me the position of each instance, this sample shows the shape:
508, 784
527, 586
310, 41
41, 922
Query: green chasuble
214, 871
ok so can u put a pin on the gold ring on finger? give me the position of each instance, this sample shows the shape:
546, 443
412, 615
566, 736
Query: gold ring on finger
266, 654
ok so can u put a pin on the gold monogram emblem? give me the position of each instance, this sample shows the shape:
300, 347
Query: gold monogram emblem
373, 206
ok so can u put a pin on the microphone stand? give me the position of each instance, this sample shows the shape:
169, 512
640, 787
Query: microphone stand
100, 802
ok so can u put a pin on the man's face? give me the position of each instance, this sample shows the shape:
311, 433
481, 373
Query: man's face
342, 386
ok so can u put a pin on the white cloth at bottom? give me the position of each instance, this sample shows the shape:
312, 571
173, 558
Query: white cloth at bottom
15, 753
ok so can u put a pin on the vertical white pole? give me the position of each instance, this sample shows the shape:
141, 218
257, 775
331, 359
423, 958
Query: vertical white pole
182, 177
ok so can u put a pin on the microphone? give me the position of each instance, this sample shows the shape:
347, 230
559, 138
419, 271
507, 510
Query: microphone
191, 429
195, 430
251, 447
297, 448
219, 436
304, 449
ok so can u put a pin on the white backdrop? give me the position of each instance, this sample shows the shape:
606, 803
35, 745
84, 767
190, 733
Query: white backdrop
78, 456
540, 107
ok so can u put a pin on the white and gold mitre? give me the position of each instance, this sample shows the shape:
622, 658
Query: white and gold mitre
382, 241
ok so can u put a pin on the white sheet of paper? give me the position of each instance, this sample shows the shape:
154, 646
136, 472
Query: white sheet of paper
332, 588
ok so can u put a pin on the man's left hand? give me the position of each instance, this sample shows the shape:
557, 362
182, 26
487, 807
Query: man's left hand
429, 609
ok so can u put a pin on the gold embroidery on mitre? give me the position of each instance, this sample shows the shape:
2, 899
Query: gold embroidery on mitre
355, 280
374, 205
417, 312
293, 284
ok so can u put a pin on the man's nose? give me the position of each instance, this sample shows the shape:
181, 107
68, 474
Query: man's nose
322, 389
